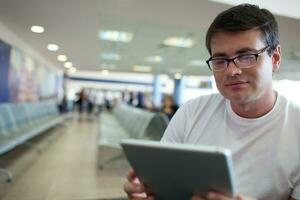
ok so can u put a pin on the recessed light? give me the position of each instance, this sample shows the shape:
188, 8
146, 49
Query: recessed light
62, 58
142, 68
68, 65
37, 29
72, 70
177, 76
53, 47
115, 36
154, 59
179, 42
110, 56
104, 72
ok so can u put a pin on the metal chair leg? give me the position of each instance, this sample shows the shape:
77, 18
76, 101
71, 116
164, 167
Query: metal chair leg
7, 174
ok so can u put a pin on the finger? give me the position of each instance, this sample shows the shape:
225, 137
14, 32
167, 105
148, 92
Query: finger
196, 198
131, 174
216, 196
131, 188
241, 197
141, 198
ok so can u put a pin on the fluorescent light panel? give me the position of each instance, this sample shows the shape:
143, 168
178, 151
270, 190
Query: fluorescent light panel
155, 59
142, 68
179, 42
107, 66
115, 36
110, 56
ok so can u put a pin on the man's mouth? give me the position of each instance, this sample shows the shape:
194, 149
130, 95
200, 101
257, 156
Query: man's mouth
235, 83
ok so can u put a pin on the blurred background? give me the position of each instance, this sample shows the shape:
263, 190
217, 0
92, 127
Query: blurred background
77, 76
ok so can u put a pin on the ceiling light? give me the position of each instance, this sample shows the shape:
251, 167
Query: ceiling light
52, 47
68, 65
62, 58
115, 36
179, 42
72, 70
141, 68
107, 66
177, 76
110, 56
105, 72
155, 59
197, 63
37, 29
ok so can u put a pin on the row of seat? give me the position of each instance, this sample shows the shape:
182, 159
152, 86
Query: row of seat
21, 122
128, 122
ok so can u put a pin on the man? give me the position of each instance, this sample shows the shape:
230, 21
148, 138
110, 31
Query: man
256, 123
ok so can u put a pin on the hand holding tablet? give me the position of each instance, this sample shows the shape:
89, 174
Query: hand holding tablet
177, 171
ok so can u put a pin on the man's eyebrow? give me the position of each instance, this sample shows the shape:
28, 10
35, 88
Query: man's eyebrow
245, 50
240, 51
219, 55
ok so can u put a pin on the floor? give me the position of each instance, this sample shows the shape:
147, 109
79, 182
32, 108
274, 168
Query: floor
67, 169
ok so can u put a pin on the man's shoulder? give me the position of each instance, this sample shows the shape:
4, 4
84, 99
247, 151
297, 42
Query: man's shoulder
289, 102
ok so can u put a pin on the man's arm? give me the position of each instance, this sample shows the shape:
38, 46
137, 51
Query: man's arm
291, 198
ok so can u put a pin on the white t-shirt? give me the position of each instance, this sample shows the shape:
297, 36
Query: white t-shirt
265, 150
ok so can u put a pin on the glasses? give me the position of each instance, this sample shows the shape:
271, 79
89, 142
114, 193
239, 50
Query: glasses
241, 61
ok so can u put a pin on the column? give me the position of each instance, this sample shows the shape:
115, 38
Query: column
179, 85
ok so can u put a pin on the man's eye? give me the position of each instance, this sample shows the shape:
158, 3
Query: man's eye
246, 57
219, 62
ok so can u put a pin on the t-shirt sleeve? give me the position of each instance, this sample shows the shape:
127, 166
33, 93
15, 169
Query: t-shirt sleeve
177, 126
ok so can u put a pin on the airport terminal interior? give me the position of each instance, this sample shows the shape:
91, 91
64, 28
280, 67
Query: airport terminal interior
79, 76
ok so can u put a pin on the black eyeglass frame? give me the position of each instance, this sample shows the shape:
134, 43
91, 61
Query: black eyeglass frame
232, 59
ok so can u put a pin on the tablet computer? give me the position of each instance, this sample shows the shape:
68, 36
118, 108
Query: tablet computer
177, 171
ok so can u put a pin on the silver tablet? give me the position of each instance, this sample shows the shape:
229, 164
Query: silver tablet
177, 171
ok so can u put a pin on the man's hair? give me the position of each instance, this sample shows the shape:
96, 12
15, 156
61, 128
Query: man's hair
246, 17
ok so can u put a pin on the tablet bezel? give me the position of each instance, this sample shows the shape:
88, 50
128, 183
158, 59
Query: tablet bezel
152, 162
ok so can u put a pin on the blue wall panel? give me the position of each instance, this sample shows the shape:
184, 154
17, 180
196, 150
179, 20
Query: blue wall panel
4, 68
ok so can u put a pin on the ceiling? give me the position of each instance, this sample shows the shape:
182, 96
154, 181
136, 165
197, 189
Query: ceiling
74, 25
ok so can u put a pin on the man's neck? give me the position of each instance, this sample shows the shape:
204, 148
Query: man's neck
255, 108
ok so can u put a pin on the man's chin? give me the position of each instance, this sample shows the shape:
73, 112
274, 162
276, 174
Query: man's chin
238, 98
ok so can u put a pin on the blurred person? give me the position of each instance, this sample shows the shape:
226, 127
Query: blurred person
169, 106
81, 98
258, 124
99, 101
140, 100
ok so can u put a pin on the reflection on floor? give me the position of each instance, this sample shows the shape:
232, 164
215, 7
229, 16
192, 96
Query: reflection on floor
67, 169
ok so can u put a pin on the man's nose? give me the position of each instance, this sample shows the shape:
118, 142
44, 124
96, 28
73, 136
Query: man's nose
232, 69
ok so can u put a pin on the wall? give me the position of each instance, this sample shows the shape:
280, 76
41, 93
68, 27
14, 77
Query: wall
25, 74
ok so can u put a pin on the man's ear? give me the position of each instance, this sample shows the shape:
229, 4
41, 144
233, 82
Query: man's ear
276, 59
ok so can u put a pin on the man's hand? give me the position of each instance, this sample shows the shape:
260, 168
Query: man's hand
134, 189
218, 196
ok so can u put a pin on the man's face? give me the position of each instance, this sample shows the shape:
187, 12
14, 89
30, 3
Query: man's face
248, 84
